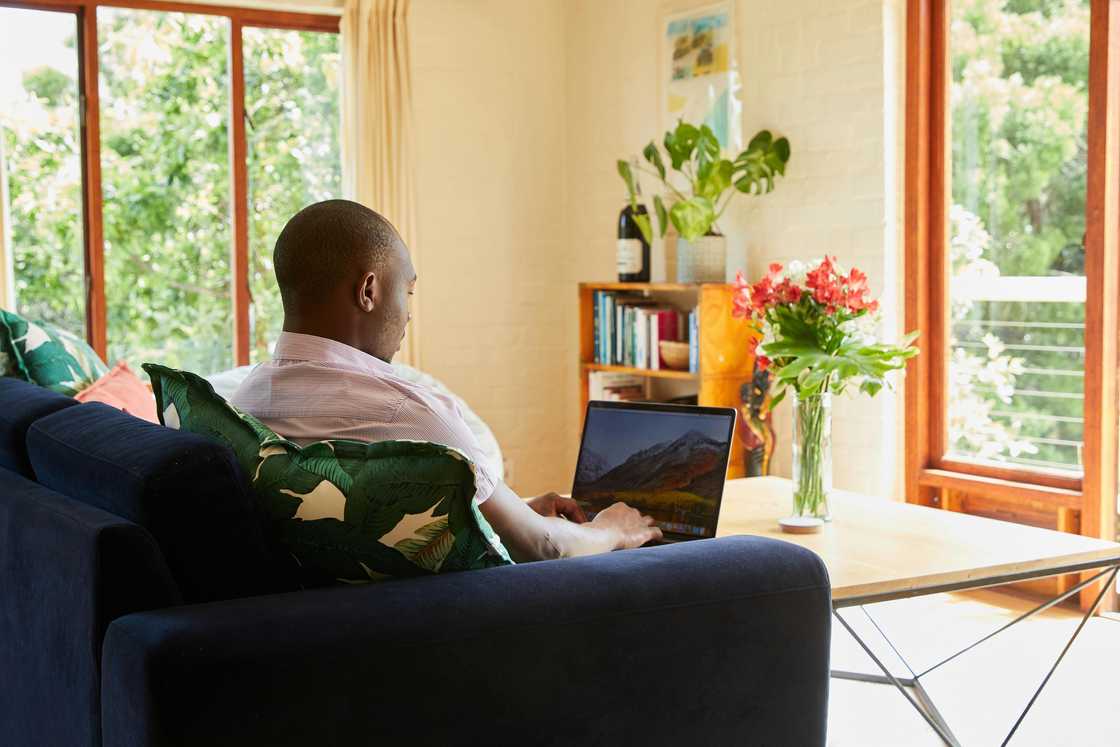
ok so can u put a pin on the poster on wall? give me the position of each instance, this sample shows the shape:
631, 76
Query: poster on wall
701, 78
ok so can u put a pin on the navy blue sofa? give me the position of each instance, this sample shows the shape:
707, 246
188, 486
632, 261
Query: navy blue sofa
142, 602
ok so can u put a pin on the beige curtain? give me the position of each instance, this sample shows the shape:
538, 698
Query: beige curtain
7, 281
377, 131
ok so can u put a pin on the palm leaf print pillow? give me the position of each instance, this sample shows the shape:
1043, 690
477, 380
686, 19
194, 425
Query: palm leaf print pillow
352, 510
46, 355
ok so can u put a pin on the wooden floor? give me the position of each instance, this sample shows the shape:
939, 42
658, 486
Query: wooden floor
982, 693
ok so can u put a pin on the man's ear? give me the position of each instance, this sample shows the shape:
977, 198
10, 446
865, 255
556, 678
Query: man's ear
367, 292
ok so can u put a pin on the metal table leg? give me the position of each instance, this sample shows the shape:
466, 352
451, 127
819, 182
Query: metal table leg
921, 700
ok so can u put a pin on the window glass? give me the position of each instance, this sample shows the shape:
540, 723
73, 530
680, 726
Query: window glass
40, 158
1018, 105
165, 174
291, 108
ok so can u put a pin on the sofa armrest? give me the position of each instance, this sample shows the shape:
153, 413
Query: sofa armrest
710, 642
66, 571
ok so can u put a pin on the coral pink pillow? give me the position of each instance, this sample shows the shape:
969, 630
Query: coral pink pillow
122, 389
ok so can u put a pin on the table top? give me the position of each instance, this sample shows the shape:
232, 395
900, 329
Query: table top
877, 550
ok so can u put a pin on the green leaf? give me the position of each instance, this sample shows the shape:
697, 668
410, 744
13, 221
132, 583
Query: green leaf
707, 148
642, 219
653, 155
693, 217
761, 141
662, 214
716, 180
778, 397
628, 176
871, 387
756, 167
680, 143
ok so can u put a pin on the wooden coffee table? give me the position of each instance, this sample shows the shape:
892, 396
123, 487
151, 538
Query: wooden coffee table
878, 550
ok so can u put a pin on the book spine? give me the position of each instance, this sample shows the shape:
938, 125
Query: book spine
597, 305
635, 317
693, 343
606, 328
628, 340
654, 340
643, 342
619, 329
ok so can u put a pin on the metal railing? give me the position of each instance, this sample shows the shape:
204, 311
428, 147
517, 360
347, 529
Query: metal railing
1039, 325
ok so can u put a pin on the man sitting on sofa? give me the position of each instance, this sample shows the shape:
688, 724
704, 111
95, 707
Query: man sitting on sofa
345, 279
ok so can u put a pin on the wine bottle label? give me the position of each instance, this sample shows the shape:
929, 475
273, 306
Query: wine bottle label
629, 256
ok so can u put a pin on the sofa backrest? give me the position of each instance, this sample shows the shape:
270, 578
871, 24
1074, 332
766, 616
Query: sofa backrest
67, 570
187, 490
21, 404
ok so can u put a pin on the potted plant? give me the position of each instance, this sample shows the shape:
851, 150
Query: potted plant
818, 328
709, 181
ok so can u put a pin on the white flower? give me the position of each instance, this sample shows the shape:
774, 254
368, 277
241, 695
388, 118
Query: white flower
862, 330
796, 272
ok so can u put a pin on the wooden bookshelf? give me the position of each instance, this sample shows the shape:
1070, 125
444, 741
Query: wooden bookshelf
725, 361
661, 374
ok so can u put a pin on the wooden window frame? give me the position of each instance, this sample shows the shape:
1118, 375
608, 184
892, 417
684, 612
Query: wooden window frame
930, 477
85, 12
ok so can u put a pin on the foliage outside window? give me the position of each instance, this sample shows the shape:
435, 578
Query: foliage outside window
1018, 102
291, 102
42, 153
165, 101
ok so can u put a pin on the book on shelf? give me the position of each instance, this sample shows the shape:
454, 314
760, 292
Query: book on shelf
628, 329
612, 386
693, 342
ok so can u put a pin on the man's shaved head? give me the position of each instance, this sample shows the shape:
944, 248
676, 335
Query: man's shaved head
345, 274
324, 245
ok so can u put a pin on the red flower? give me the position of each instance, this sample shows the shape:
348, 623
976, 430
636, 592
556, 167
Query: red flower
762, 295
752, 345
788, 292
822, 281
856, 291
741, 300
763, 362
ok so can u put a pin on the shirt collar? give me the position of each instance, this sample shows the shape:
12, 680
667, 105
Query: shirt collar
294, 346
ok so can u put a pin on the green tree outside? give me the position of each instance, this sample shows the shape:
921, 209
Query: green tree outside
166, 182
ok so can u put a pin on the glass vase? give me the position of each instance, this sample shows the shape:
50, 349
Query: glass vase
812, 455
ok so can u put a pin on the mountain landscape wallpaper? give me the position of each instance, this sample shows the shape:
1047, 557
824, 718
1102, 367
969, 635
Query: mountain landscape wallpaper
667, 465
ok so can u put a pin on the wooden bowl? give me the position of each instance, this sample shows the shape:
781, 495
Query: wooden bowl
674, 354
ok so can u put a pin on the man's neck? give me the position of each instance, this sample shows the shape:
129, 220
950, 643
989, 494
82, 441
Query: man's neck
344, 333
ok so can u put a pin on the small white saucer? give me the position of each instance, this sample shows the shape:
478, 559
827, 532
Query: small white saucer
800, 524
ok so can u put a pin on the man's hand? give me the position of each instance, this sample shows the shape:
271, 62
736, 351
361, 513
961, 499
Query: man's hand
551, 504
630, 528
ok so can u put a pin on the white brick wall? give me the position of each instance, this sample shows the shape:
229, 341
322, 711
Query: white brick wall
522, 109
826, 75
488, 94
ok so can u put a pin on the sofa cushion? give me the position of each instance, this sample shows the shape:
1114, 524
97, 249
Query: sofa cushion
122, 389
48, 356
353, 511
21, 404
185, 489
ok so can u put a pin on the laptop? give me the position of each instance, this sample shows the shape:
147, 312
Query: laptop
667, 461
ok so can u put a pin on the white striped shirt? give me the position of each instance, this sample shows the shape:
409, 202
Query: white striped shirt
316, 389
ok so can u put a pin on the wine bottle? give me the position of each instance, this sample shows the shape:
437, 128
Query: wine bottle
633, 250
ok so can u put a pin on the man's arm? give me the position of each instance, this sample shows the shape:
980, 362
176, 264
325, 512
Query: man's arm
529, 536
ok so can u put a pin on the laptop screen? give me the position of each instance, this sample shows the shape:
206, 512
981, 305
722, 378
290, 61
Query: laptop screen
667, 461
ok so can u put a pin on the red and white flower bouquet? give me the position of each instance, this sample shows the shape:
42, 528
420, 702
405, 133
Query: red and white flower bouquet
818, 326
